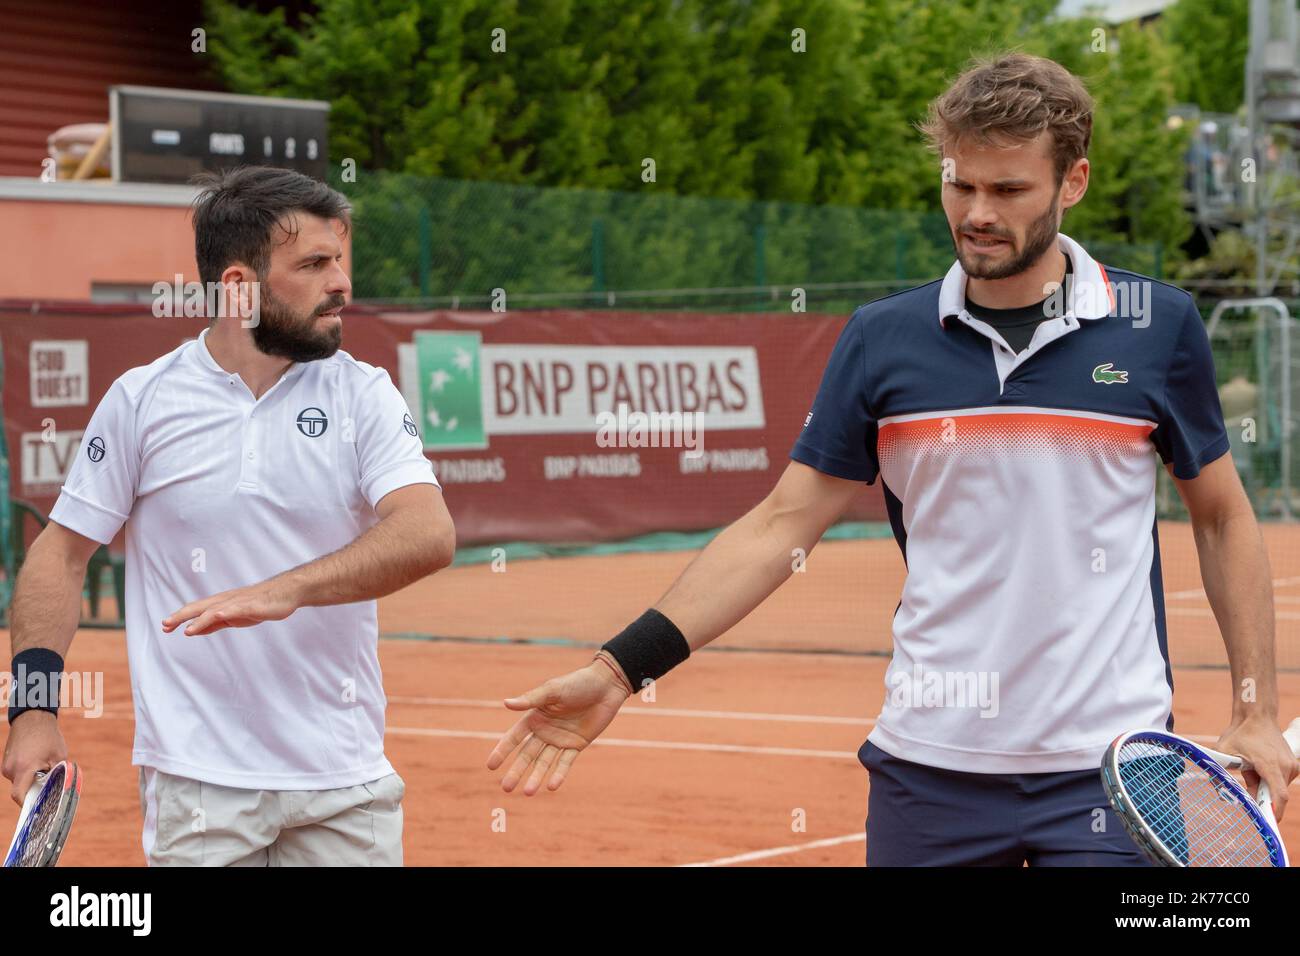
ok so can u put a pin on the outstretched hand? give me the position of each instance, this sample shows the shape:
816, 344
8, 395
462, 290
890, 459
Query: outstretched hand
270, 600
563, 716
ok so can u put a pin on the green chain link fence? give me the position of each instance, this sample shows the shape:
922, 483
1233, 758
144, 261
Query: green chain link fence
449, 243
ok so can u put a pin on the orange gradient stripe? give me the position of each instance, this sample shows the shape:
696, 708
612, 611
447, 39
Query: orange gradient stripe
1094, 428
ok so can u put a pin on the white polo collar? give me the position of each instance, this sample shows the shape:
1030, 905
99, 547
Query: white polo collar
1091, 293
206, 360
205, 357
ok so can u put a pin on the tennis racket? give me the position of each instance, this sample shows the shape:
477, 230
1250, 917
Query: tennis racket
1181, 806
46, 817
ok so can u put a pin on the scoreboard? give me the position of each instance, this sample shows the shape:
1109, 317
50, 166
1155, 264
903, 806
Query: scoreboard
166, 136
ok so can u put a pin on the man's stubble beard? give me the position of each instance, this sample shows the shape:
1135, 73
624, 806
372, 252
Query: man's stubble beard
1038, 239
284, 333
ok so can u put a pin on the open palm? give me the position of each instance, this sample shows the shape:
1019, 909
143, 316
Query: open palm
563, 716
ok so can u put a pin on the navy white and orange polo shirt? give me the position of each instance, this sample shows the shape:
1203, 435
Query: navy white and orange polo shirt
1021, 490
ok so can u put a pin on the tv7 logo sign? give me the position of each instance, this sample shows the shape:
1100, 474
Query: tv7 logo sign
47, 462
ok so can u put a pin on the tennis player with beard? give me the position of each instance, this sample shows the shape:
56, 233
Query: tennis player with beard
268, 482
1014, 411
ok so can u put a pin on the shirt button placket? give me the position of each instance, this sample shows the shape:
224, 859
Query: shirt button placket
251, 463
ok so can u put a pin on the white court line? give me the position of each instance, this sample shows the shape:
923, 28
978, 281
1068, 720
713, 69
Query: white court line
674, 745
602, 741
653, 711
650, 744
858, 837
619, 741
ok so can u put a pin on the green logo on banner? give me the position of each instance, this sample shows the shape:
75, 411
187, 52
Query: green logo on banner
451, 399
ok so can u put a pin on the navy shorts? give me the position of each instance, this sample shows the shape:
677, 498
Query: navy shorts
925, 816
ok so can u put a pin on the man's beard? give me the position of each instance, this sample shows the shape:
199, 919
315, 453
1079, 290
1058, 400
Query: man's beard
284, 333
1038, 239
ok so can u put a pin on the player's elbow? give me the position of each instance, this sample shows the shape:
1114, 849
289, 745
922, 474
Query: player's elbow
56, 547
441, 545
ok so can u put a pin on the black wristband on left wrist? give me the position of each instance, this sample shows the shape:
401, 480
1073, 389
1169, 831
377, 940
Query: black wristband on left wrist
648, 648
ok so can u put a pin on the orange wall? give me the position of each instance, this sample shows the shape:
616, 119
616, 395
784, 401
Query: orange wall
56, 249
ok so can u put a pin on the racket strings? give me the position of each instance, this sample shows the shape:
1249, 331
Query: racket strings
1199, 819
41, 829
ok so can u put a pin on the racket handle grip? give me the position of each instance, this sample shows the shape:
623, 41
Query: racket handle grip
1264, 800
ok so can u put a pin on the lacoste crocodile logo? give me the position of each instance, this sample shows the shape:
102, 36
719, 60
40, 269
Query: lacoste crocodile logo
1106, 375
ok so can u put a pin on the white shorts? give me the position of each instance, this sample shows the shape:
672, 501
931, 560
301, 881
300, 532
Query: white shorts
192, 823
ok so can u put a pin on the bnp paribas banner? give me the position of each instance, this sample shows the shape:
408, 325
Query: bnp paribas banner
579, 426
549, 426
464, 392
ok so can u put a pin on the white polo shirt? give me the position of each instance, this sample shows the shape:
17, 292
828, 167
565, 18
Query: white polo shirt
219, 490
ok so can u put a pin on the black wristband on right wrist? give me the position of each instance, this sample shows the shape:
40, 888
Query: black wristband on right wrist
648, 648
35, 675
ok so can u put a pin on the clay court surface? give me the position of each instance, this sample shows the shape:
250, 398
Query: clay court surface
716, 769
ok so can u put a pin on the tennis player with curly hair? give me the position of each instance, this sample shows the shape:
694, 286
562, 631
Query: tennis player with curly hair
1013, 412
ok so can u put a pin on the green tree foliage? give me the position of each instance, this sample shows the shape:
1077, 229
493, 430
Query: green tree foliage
1212, 38
1135, 158
724, 100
